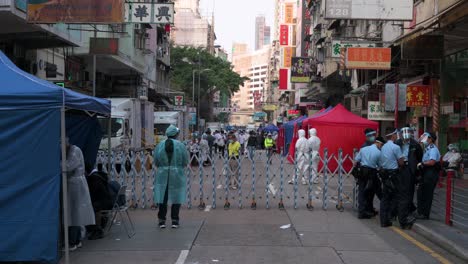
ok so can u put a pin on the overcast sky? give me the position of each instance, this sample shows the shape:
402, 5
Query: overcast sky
235, 19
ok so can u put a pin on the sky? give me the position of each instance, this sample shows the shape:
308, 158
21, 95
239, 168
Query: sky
235, 19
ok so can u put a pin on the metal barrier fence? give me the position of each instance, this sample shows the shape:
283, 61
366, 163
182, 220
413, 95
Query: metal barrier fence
450, 204
262, 179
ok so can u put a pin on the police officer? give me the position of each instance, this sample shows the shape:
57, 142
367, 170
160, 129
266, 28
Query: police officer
370, 137
430, 168
390, 160
412, 155
368, 159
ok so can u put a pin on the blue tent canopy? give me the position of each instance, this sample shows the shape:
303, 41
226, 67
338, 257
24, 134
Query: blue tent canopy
21, 90
270, 128
30, 178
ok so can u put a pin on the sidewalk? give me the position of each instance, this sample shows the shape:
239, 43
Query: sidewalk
449, 238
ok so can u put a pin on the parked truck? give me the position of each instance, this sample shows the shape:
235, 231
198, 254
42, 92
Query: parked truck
131, 125
162, 120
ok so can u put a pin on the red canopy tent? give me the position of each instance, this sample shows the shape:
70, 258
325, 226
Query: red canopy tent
339, 128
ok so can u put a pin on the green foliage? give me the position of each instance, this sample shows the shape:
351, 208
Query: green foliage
186, 59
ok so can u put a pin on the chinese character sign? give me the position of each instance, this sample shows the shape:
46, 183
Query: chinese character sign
151, 13
368, 58
338, 44
376, 111
287, 56
284, 35
418, 95
300, 70
289, 13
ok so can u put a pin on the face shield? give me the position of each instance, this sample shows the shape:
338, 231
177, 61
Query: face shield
406, 133
424, 137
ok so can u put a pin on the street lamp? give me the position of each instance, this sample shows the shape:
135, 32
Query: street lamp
193, 91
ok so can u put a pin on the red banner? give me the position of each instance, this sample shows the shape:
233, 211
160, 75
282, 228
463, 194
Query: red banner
418, 95
284, 35
283, 79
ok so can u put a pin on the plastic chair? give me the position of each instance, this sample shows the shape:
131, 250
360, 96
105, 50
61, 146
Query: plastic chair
122, 211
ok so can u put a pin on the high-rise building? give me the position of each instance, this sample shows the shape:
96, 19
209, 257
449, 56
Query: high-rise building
250, 98
267, 36
259, 32
190, 28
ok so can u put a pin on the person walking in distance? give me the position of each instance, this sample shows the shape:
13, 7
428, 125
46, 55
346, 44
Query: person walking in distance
430, 167
314, 147
368, 159
233, 152
252, 144
390, 160
269, 143
302, 158
412, 155
171, 159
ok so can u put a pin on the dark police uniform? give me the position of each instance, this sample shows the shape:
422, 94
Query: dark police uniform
369, 158
412, 154
390, 155
430, 176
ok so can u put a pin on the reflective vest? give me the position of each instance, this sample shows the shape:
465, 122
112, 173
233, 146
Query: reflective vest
268, 143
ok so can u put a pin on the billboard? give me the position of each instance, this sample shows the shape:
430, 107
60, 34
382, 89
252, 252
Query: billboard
370, 9
76, 11
150, 13
300, 70
287, 56
283, 79
368, 58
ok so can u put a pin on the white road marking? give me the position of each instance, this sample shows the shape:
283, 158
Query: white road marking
182, 257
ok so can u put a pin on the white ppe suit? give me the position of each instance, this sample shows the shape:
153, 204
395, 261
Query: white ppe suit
314, 147
302, 155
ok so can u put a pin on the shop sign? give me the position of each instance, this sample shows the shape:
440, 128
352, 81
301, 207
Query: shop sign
151, 13
368, 58
294, 113
289, 13
390, 97
375, 111
83, 11
418, 95
284, 35
179, 100
287, 57
338, 44
269, 108
300, 70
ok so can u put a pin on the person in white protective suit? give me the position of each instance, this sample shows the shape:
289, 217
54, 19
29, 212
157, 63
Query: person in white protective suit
314, 147
80, 208
302, 157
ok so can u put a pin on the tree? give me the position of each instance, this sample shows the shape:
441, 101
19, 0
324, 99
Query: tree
220, 77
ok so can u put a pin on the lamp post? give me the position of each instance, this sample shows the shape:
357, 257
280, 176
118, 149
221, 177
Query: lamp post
193, 92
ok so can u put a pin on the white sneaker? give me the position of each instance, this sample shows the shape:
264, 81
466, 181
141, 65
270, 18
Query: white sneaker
72, 248
304, 182
316, 180
80, 245
290, 182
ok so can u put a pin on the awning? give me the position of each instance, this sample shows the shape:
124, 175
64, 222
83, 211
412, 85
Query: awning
318, 26
334, 24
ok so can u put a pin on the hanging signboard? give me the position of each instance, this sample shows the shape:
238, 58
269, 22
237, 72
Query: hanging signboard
108, 46
369, 9
284, 35
72, 11
368, 58
418, 95
289, 13
287, 56
338, 44
150, 13
375, 111
300, 70
390, 97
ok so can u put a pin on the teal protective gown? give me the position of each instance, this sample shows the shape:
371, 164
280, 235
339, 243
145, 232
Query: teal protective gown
173, 173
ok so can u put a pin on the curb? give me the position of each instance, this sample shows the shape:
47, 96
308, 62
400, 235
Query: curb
441, 241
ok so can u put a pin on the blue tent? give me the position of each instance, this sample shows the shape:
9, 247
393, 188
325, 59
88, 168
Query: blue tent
270, 128
32, 124
289, 131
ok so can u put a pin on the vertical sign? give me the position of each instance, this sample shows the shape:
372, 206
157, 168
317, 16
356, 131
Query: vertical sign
287, 56
284, 35
289, 13
283, 79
